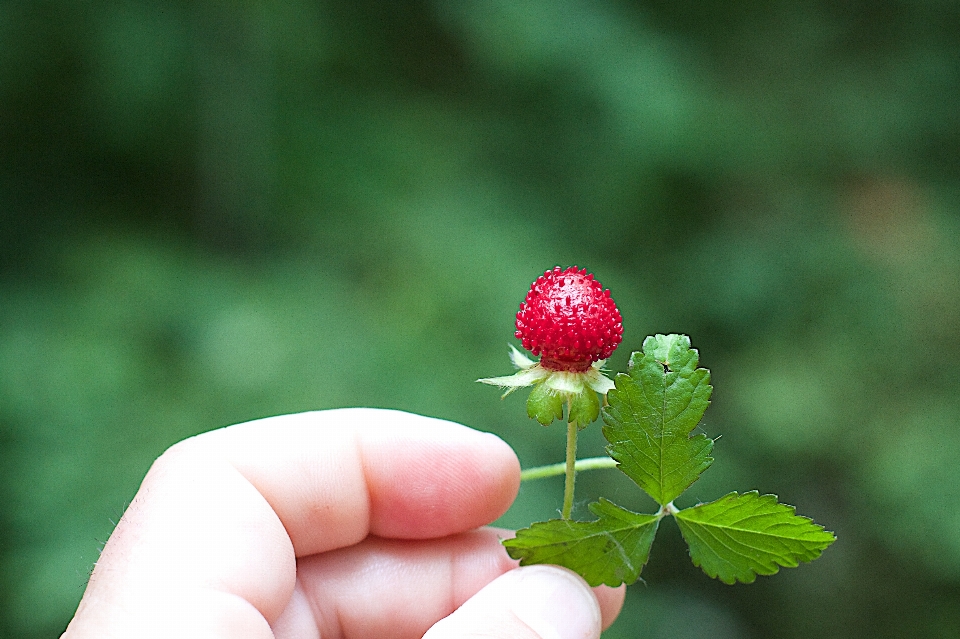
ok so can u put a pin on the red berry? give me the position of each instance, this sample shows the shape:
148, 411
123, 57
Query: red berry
569, 319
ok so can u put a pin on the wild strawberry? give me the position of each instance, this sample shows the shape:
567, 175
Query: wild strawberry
569, 320
572, 323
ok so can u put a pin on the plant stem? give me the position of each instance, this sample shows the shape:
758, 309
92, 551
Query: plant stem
591, 463
571, 468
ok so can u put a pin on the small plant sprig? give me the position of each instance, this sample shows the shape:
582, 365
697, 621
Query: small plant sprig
649, 415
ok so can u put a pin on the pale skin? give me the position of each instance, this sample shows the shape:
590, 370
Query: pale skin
355, 523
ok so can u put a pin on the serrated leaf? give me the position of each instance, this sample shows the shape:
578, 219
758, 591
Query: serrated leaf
544, 405
584, 408
611, 550
739, 537
651, 414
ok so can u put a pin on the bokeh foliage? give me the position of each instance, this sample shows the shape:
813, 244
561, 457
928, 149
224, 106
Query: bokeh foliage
216, 211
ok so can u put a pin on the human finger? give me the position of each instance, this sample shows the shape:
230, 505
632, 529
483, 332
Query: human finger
532, 602
224, 514
399, 588
332, 477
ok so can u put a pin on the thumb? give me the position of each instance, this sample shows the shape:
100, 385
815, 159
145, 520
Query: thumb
534, 602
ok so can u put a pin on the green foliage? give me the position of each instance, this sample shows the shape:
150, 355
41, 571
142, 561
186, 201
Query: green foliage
739, 537
544, 405
611, 550
651, 414
584, 408
649, 419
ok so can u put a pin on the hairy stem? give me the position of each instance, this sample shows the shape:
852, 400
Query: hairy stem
571, 467
552, 470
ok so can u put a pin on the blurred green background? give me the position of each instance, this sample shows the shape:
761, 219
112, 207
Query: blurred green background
216, 211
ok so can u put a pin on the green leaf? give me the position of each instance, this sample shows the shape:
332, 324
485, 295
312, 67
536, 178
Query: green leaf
544, 405
651, 414
739, 537
584, 408
611, 550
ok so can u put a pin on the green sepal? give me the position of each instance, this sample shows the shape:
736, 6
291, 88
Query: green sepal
738, 537
584, 408
544, 405
651, 414
611, 550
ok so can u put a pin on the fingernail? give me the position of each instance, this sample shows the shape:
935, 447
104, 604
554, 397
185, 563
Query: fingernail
556, 603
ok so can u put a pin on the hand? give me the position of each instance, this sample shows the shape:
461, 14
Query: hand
345, 523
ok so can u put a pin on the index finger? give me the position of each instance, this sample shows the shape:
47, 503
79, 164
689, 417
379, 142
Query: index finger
333, 477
